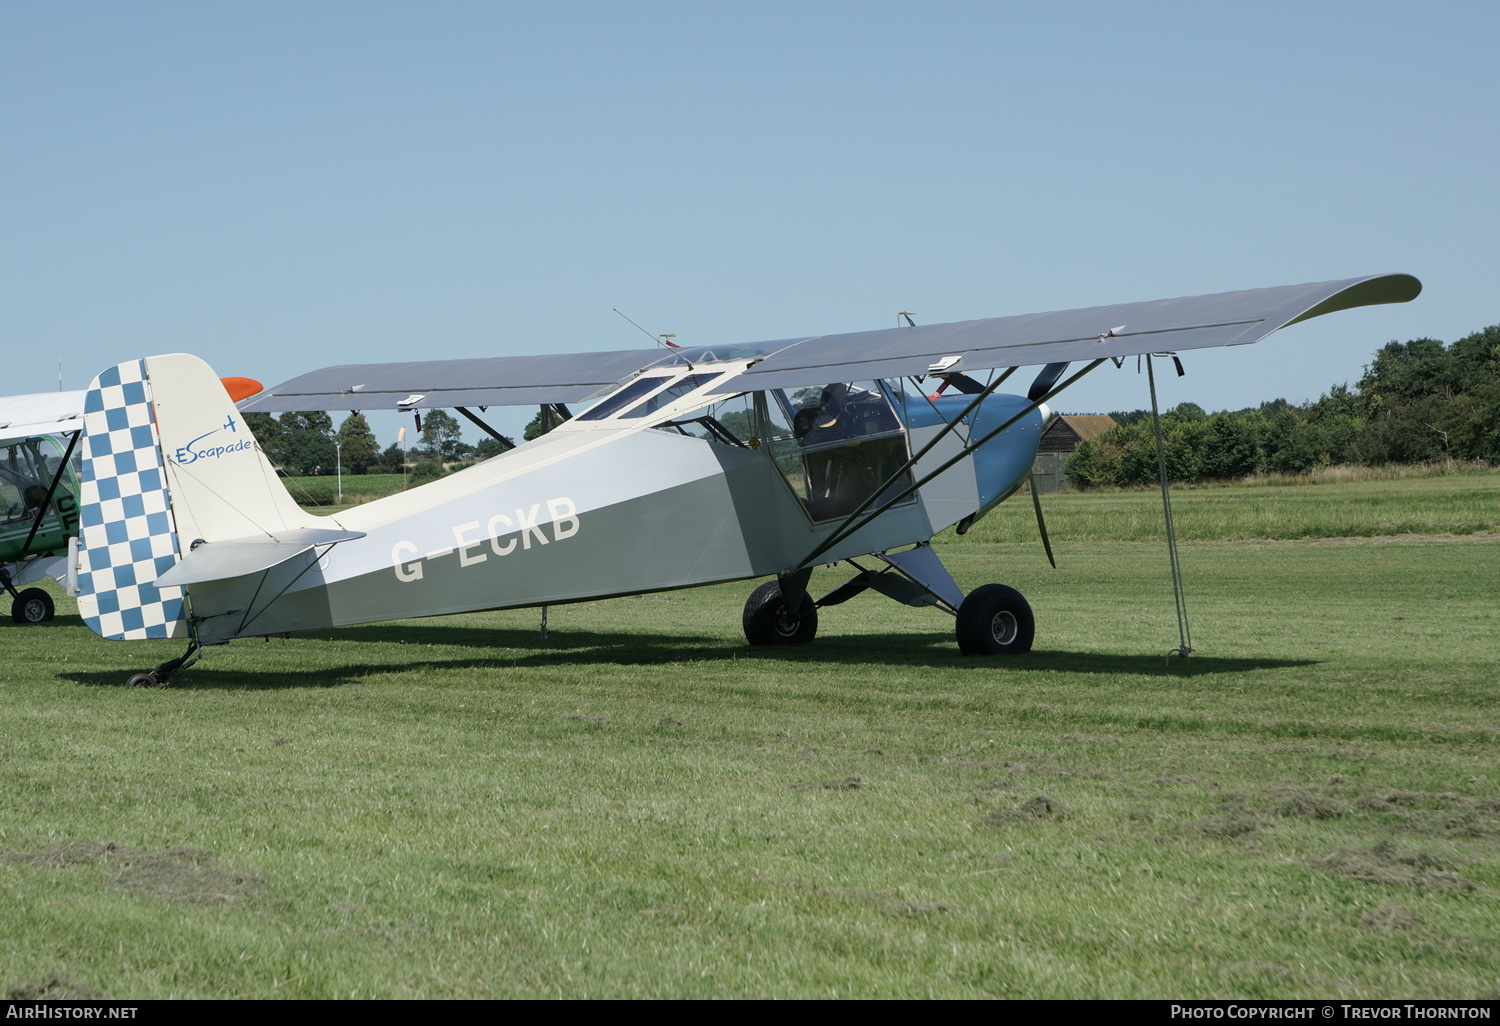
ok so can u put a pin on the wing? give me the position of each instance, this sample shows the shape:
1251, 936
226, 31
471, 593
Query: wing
1163, 325
445, 384
1227, 318
40, 413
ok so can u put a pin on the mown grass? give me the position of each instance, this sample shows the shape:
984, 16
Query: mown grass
1459, 504
644, 806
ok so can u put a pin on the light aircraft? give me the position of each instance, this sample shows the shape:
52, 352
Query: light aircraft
38, 495
694, 466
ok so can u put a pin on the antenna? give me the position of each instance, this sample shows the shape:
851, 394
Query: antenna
656, 339
908, 315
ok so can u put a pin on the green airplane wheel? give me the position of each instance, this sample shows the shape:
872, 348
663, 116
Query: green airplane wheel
32, 606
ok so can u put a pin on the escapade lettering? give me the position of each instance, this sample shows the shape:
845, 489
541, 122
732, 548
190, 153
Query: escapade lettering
186, 454
499, 532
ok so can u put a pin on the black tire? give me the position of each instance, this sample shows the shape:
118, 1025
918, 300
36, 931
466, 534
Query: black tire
767, 620
141, 680
32, 606
995, 620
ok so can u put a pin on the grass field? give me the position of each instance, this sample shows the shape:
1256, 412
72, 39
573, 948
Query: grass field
643, 806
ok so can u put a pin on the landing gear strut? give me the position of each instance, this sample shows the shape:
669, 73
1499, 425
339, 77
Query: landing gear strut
161, 674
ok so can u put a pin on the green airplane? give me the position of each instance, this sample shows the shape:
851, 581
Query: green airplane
39, 491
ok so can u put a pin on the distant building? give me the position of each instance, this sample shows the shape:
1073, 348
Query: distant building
1059, 439
1068, 429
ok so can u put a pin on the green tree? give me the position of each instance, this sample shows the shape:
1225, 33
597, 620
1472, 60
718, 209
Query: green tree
307, 442
489, 447
441, 435
358, 448
393, 459
269, 435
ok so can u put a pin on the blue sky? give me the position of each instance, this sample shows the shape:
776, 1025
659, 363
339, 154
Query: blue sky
282, 186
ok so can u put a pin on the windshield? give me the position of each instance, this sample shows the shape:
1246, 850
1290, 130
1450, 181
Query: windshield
623, 398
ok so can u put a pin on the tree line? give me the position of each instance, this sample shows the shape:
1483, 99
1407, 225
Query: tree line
1418, 402
306, 444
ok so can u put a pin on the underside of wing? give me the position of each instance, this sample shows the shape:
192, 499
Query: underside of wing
40, 413
1062, 336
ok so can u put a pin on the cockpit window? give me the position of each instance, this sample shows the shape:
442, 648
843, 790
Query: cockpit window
669, 394
623, 398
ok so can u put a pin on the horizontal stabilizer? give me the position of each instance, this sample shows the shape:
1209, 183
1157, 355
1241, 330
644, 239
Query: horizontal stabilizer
236, 557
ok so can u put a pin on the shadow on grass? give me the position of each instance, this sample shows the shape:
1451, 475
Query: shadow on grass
406, 649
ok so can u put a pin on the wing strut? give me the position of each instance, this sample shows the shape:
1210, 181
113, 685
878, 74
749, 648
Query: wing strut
481, 425
62, 467
1184, 630
848, 525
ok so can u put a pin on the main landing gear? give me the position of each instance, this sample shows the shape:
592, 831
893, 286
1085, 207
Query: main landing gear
32, 606
769, 619
995, 620
991, 620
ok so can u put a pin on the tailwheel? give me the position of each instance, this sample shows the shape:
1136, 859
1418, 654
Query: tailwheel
161, 674
995, 620
768, 621
32, 606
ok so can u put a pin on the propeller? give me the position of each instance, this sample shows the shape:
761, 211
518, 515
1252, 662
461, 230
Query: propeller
1041, 522
1045, 380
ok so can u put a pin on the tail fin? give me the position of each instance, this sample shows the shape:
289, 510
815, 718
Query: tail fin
168, 462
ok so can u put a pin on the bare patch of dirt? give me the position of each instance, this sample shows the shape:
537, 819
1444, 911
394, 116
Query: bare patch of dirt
57, 988
1033, 810
1389, 919
185, 874
1234, 820
1387, 863
1392, 799
173, 874
1313, 807
1471, 822
73, 853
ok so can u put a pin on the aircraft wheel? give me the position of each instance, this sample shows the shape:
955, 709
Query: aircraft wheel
995, 620
32, 606
141, 680
769, 622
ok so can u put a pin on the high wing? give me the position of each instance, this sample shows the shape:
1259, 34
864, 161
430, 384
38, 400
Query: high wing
1063, 336
40, 413
1125, 329
445, 384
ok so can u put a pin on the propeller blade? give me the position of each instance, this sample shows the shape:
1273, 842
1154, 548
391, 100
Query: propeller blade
1045, 380
1041, 522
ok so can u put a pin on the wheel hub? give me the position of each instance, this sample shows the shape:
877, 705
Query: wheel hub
1004, 628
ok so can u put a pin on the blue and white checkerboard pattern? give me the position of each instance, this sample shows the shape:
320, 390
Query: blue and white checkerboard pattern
126, 536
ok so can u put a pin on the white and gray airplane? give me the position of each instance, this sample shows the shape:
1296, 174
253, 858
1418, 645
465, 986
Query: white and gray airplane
694, 466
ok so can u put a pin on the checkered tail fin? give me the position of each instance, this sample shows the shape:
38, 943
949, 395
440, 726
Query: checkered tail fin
167, 461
